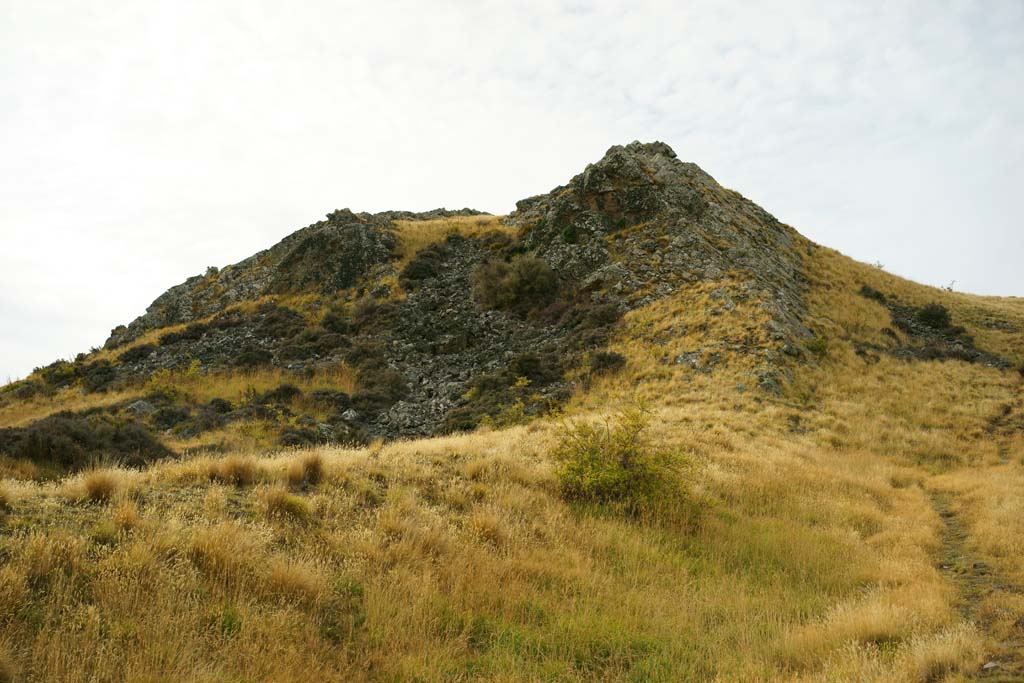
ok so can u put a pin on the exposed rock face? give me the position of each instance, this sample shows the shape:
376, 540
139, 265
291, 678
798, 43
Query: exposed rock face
324, 257
639, 223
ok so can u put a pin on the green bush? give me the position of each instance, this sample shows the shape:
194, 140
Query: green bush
616, 463
522, 285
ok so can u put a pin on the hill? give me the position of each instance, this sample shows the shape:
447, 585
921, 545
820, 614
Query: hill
638, 429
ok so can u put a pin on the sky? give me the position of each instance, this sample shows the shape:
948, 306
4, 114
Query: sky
141, 141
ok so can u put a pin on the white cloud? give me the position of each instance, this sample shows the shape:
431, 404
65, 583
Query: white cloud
144, 141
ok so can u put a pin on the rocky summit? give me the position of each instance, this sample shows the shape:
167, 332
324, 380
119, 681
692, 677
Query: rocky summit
434, 350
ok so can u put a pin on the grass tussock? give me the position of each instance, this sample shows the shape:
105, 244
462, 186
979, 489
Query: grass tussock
235, 470
282, 504
306, 470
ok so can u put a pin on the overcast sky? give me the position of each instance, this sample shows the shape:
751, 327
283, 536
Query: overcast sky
141, 142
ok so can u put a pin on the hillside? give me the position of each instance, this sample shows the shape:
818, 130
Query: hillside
639, 429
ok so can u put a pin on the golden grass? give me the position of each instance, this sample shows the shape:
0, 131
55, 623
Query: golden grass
415, 235
20, 413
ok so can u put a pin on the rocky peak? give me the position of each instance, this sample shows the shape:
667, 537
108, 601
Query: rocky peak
640, 223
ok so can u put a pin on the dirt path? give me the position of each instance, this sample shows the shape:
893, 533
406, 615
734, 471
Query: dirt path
976, 583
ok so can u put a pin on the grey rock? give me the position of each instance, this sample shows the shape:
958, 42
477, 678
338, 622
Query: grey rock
141, 408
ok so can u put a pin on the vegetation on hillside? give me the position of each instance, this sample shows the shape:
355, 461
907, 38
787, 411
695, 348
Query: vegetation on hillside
822, 484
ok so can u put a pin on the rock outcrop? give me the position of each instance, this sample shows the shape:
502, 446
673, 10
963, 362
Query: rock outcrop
639, 223
325, 257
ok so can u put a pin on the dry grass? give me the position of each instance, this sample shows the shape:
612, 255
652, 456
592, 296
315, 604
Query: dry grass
415, 235
307, 469
280, 504
99, 485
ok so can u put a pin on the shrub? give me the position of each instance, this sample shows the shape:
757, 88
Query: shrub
97, 376
519, 286
72, 440
934, 315
253, 357
606, 362
337, 321
279, 322
379, 390
57, 374
616, 463
169, 416
137, 353
870, 292
818, 345
193, 332
331, 399
281, 395
370, 312
427, 264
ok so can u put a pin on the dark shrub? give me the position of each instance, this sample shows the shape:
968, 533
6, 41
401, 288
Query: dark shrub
75, 440
193, 332
337, 321
328, 398
427, 264
283, 394
379, 390
366, 356
934, 315
871, 293
97, 376
370, 312
331, 341
294, 352
169, 416
137, 353
279, 322
24, 390
253, 357
520, 286
606, 362
220, 405
227, 319
539, 368
299, 436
